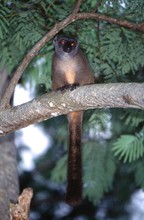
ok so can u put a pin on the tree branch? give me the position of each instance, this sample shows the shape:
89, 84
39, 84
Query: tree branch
32, 53
77, 7
61, 25
113, 95
101, 17
99, 2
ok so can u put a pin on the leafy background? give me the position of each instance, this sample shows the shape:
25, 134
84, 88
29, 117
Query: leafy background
113, 140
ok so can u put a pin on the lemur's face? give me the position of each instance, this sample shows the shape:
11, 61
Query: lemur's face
65, 45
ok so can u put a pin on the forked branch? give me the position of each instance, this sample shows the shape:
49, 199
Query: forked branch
59, 26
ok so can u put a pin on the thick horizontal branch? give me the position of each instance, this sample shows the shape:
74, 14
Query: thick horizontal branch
118, 95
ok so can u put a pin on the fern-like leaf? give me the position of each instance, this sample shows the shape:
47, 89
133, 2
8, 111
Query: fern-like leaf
59, 172
4, 24
99, 168
129, 147
133, 117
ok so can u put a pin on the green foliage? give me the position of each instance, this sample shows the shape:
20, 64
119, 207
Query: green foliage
99, 169
4, 23
99, 118
59, 173
119, 54
133, 117
139, 174
129, 147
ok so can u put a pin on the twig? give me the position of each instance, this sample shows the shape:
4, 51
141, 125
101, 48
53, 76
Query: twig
128, 99
99, 2
99, 44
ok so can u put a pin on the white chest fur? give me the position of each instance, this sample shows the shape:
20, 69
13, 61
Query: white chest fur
69, 70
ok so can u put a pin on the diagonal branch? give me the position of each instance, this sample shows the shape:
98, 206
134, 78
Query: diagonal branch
112, 95
33, 52
61, 25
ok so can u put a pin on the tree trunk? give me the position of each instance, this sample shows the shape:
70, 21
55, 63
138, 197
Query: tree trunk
9, 188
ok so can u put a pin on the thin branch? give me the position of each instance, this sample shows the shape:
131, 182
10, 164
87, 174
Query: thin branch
77, 7
19, 71
42, 42
99, 44
99, 2
101, 17
112, 95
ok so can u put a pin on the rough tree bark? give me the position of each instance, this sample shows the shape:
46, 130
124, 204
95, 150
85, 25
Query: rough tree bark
112, 95
9, 188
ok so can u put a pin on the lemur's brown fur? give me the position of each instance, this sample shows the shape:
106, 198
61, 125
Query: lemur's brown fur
69, 69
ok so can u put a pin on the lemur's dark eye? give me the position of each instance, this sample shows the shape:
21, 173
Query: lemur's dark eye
62, 42
73, 43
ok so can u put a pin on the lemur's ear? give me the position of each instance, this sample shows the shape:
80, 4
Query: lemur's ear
56, 38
